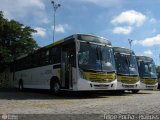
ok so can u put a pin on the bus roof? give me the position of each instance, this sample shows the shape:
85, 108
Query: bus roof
82, 37
144, 58
79, 36
122, 50
93, 38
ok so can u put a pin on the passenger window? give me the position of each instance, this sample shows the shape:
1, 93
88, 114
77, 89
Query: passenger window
56, 55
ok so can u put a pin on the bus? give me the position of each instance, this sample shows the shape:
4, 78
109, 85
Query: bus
126, 69
147, 72
80, 62
158, 76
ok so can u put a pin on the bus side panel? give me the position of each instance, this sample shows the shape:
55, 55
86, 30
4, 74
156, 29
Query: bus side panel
37, 77
24, 75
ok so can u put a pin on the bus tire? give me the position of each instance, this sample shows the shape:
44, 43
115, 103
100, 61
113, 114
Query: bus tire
135, 91
20, 87
55, 87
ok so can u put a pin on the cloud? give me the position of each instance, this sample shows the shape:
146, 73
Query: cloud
45, 20
154, 30
36, 3
40, 32
122, 30
23, 5
149, 42
61, 28
153, 21
24, 9
102, 3
148, 53
130, 17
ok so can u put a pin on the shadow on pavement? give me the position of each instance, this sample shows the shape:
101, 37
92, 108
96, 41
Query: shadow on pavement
36, 94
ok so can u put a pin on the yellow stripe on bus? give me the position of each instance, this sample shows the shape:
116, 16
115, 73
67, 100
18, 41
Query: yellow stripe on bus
100, 77
128, 79
149, 81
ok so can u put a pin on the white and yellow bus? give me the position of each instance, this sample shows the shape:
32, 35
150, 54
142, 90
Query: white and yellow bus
158, 76
126, 69
147, 72
80, 62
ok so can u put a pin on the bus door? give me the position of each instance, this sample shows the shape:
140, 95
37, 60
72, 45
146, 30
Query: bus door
68, 61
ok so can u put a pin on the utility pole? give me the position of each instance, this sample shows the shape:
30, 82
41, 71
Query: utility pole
130, 43
55, 7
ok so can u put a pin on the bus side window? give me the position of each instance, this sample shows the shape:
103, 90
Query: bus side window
28, 62
45, 57
35, 60
55, 55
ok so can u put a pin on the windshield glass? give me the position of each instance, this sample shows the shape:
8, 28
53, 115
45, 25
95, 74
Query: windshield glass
107, 58
95, 57
126, 64
147, 69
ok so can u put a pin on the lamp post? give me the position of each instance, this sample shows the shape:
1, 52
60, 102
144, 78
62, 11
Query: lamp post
130, 42
55, 7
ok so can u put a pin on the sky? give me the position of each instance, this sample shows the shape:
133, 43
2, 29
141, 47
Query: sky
116, 20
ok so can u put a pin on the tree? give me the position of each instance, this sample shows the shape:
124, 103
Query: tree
15, 40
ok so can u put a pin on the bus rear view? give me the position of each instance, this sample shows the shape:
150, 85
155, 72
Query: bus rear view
147, 72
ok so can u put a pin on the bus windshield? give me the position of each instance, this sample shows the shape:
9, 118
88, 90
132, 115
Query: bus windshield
95, 57
126, 64
147, 69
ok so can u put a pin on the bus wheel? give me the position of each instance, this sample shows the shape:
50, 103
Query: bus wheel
55, 87
20, 88
135, 91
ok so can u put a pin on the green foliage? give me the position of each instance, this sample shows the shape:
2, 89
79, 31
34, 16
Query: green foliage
15, 39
